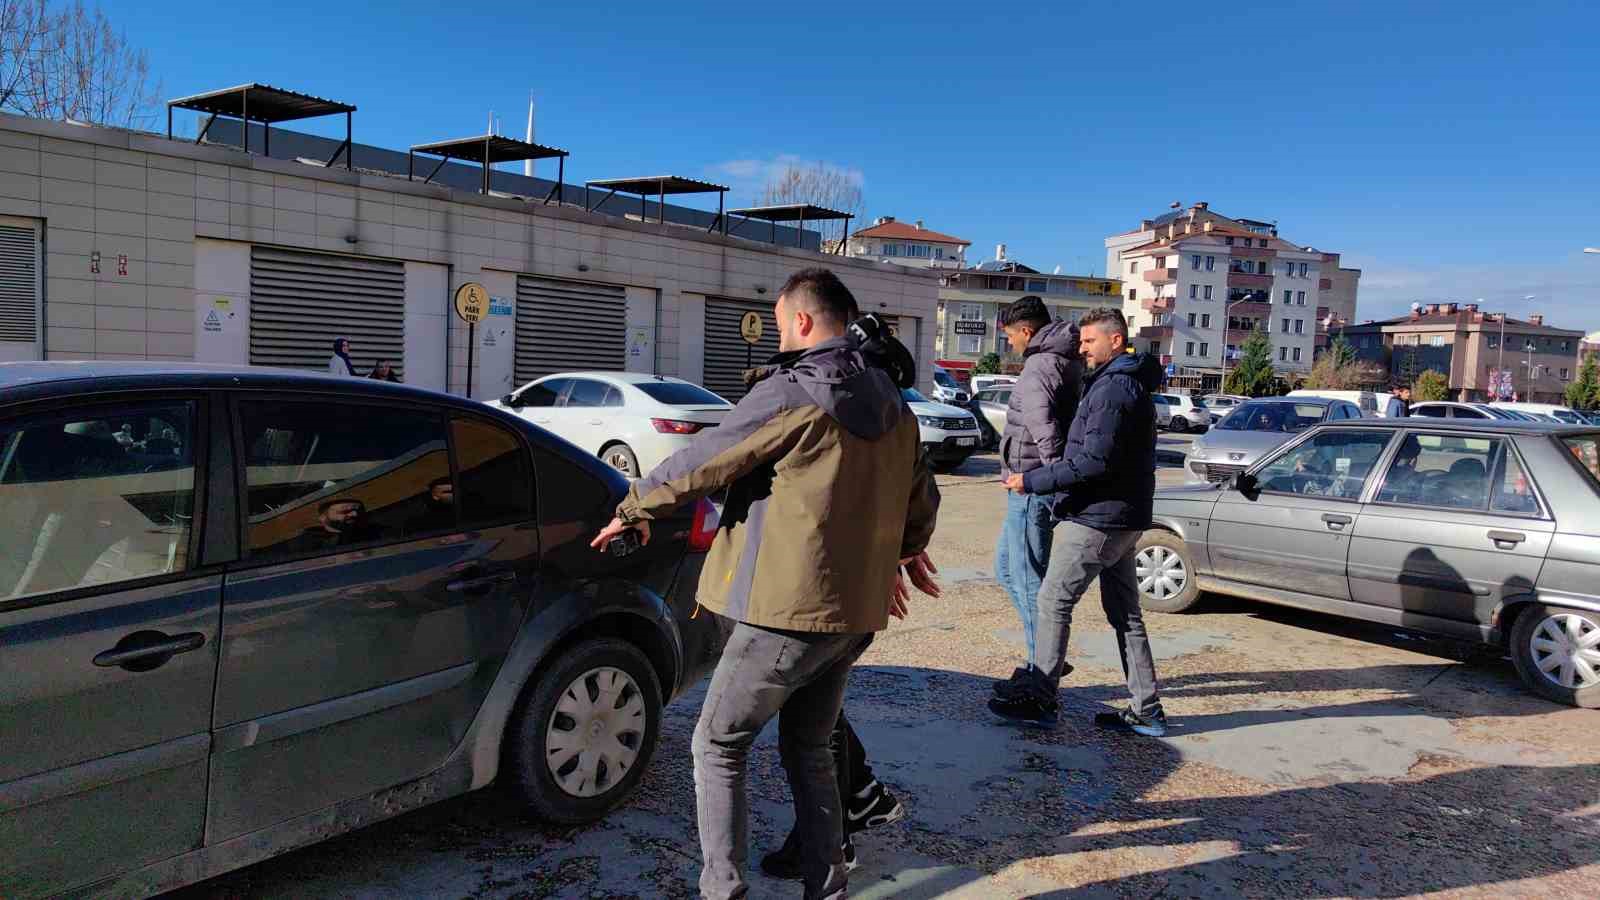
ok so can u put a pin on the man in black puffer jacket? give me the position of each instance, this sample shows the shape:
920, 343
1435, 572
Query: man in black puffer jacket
1043, 402
1102, 489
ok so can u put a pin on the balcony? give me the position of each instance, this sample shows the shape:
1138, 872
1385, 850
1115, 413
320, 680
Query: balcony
1247, 280
1161, 276
1250, 309
1156, 332
1324, 284
1239, 251
1158, 304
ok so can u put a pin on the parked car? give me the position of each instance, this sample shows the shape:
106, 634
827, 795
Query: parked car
1447, 409
1181, 413
949, 433
981, 383
1482, 530
947, 390
1554, 411
991, 406
1373, 404
412, 612
632, 421
1255, 428
1219, 405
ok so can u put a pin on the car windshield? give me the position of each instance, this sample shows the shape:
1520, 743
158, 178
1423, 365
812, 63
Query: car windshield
943, 379
912, 396
678, 393
1287, 418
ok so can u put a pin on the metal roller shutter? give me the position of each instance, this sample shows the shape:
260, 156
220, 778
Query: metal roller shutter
569, 326
300, 302
19, 286
727, 354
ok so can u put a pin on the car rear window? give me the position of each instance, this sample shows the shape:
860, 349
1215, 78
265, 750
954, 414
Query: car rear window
677, 393
1585, 448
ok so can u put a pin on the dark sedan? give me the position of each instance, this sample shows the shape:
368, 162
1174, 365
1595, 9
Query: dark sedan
245, 610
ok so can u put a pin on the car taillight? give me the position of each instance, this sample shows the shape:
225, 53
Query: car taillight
704, 529
673, 426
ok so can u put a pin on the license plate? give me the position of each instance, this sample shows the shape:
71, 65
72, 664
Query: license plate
966, 442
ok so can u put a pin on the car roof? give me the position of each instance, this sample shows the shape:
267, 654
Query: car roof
1503, 425
25, 381
622, 377
1315, 401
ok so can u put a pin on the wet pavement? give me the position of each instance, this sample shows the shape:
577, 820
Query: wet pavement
1309, 757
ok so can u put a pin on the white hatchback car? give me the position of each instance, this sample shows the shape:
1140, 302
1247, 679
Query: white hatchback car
1181, 413
630, 420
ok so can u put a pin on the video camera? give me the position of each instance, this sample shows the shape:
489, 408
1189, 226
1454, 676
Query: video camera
870, 335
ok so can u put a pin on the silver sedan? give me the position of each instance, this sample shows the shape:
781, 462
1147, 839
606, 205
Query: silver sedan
1479, 530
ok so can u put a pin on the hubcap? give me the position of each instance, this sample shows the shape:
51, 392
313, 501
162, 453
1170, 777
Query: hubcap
1161, 572
1566, 650
595, 733
620, 461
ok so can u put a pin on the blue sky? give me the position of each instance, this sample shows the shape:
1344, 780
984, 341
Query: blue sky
1448, 149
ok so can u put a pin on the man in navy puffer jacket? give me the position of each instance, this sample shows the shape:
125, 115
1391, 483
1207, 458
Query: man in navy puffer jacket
1102, 495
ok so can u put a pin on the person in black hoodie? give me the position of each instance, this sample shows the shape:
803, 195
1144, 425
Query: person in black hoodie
1102, 491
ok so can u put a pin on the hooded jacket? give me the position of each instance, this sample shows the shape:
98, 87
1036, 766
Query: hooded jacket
1107, 474
1044, 399
827, 492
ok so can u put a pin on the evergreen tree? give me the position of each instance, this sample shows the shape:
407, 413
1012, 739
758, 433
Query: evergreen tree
1584, 392
1252, 375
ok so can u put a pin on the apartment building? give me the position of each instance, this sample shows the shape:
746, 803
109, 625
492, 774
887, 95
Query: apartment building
972, 301
903, 244
1196, 284
1486, 355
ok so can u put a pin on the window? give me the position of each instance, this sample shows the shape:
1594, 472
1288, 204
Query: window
1288, 270
1205, 321
1466, 412
1335, 464
1566, 346
95, 497
1288, 296
1303, 270
1436, 341
1297, 354
1133, 293
1205, 349
938, 253
1191, 320
1211, 263
586, 392
318, 482
679, 393
1285, 326
1229, 241
1494, 343
1563, 373
1193, 291
1133, 266
1208, 292
1454, 472
1586, 450
1036, 286
1300, 298
1155, 348
1194, 262
1188, 348
891, 249
1299, 326
545, 393
1430, 411
496, 484
973, 343
1283, 354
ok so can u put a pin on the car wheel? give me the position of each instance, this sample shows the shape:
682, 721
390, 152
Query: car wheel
1177, 425
1165, 572
584, 731
1557, 652
621, 458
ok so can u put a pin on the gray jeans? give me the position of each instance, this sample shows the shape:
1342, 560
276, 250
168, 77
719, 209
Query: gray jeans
1080, 554
800, 678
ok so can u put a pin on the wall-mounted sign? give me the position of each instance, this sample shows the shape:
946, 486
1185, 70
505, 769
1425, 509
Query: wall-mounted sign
971, 326
499, 306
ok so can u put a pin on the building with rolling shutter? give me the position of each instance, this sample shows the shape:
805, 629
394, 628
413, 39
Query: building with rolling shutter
125, 245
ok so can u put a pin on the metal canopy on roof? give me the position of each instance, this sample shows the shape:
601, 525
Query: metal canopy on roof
265, 104
660, 186
486, 150
792, 212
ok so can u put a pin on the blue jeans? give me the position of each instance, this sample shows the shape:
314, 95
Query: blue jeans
1023, 555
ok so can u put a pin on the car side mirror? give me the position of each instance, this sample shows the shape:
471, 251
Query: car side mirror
511, 401
1246, 484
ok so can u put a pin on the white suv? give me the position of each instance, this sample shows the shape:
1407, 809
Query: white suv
1180, 413
949, 433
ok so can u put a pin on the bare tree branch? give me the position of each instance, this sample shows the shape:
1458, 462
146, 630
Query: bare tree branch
818, 184
71, 65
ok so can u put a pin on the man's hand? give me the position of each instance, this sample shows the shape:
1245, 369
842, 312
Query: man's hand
899, 598
921, 570
616, 528
1013, 482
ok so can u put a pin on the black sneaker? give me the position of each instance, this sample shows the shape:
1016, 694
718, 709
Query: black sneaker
872, 806
785, 861
1021, 680
1128, 720
1028, 708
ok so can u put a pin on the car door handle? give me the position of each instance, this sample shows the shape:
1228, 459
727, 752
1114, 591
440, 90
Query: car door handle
596, 422
480, 584
145, 650
1336, 521
1506, 540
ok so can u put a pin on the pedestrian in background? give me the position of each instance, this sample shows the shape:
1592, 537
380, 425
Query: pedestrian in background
339, 363
1400, 403
1103, 491
1043, 402
828, 496
384, 372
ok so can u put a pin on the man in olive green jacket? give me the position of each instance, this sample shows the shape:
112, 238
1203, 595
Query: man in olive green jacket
828, 494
